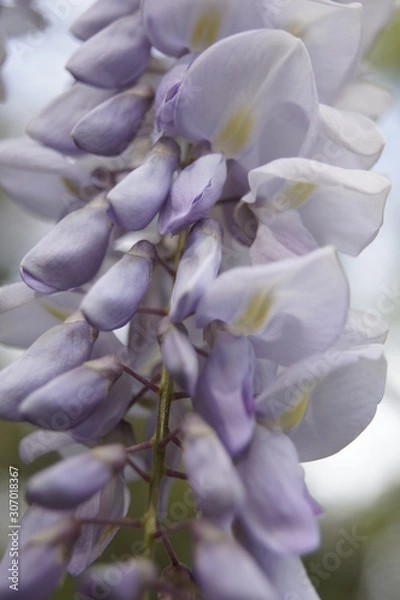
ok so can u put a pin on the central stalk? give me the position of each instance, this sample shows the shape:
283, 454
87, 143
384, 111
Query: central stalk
162, 430
158, 468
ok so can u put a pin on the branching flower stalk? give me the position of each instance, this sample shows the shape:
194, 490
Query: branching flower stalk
211, 157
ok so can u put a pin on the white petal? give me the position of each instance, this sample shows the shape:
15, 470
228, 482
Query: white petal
347, 139
364, 97
324, 402
182, 26
291, 308
331, 33
252, 96
360, 330
284, 237
338, 206
343, 403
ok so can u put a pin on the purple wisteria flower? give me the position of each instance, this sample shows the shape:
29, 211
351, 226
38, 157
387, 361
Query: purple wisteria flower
202, 173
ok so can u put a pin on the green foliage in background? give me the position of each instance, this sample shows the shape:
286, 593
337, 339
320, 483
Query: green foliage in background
384, 55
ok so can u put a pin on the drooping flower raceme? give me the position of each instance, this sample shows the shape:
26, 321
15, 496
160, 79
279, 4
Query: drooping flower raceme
202, 172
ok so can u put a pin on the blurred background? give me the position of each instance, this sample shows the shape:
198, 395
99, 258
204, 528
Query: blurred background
360, 487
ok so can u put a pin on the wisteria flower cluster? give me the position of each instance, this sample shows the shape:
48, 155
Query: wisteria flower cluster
203, 170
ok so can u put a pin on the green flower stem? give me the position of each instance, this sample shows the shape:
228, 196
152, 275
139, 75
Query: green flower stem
158, 469
166, 392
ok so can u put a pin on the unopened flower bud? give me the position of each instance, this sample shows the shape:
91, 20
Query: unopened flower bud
67, 484
136, 200
68, 399
109, 128
60, 349
113, 58
115, 297
101, 14
43, 556
224, 570
198, 267
71, 253
212, 475
53, 125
